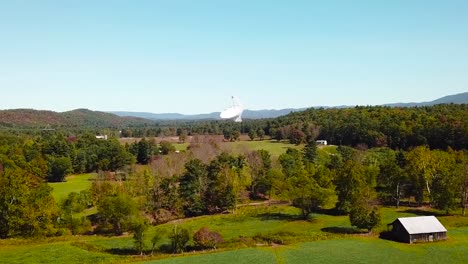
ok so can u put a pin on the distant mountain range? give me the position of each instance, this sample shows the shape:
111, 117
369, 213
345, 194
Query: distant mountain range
461, 98
84, 118
248, 114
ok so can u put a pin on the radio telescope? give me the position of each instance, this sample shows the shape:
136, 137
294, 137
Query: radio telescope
234, 111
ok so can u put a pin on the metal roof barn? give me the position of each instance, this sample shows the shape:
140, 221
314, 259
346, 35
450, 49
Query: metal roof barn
418, 229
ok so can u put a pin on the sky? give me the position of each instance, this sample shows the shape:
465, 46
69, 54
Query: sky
190, 56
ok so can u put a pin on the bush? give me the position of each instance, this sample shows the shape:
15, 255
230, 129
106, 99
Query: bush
281, 237
179, 238
154, 240
363, 216
80, 226
207, 239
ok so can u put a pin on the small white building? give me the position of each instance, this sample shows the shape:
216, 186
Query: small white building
102, 137
321, 142
418, 229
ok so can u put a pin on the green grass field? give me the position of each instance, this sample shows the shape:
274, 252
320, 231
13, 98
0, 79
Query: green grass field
274, 147
349, 250
58, 252
250, 221
73, 183
331, 245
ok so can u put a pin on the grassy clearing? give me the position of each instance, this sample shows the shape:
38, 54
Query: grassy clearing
251, 221
241, 256
274, 147
181, 146
62, 252
331, 244
73, 183
348, 250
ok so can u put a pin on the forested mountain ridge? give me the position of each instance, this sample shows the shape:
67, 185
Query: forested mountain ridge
29, 118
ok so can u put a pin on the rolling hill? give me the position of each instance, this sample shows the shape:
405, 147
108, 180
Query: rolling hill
79, 118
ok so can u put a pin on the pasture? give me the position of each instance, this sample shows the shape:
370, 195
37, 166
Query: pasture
322, 238
347, 250
275, 147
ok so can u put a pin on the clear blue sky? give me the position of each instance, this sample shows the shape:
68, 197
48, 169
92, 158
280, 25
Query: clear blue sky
191, 56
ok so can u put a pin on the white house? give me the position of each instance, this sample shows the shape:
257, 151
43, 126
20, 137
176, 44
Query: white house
102, 137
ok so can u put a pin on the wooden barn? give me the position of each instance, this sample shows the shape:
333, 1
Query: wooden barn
418, 229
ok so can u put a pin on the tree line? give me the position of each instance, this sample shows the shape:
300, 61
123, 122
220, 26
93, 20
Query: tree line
438, 126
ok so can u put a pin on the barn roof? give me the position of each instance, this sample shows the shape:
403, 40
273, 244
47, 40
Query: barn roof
421, 224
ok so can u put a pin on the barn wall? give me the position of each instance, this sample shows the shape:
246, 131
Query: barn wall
428, 237
399, 232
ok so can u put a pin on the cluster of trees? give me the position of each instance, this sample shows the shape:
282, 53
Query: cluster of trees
354, 181
27, 207
178, 237
60, 155
206, 179
27, 163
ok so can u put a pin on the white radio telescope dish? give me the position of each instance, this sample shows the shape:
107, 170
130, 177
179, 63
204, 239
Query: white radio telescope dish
234, 111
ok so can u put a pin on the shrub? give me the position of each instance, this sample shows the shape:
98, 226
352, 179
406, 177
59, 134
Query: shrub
365, 216
282, 237
154, 240
139, 229
207, 239
80, 226
179, 238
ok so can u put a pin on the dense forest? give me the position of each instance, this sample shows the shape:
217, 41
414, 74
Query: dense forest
438, 126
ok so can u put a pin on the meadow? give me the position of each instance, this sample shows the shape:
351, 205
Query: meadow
73, 183
243, 145
321, 238
348, 250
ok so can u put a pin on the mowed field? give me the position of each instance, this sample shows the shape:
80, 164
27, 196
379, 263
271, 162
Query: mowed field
72, 183
321, 239
244, 145
349, 250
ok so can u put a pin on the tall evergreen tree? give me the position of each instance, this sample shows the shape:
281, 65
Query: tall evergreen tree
193, 186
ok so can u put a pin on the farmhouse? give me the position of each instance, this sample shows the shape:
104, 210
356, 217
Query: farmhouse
418, 229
